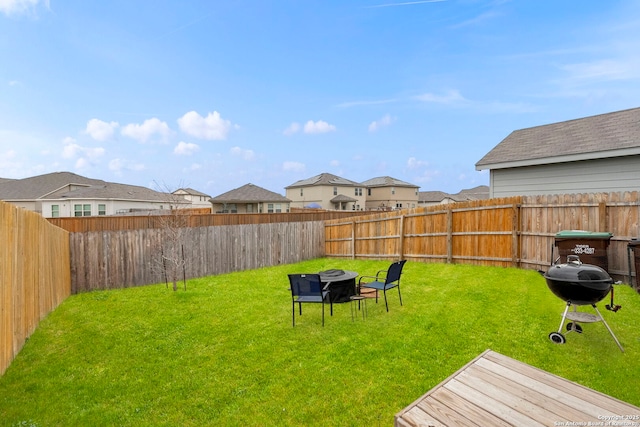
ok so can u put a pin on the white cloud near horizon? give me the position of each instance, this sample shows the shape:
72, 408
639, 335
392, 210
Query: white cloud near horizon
148, 131
72, 150
118, 165
413, 163
212, 127
385, 121
100, 130
293, 167
186, 148
320, 126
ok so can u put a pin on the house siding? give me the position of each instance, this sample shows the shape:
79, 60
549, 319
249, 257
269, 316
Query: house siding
588, 176
382, 197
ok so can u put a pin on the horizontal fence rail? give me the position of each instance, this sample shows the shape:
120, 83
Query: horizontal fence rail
114, 223
34, 276
514, 231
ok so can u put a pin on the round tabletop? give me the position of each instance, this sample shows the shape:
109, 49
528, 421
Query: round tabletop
337, 275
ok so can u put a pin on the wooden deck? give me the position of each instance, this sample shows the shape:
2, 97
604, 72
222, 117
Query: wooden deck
495, 390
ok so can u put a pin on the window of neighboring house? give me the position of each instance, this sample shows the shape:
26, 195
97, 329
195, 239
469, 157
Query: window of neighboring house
231, 208
270, 208
55, 211
249, 208
398, 205
368, 191
393, 190
335, 191
81, 210
301, 192
358, 191
102, 209
278, 208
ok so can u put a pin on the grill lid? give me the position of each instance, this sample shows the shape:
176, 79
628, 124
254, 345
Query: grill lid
576, 271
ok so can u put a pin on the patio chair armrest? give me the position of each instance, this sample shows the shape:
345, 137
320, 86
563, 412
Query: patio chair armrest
366, 277
381, 274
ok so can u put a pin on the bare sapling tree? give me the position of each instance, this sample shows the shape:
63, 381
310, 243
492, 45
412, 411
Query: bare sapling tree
173, 229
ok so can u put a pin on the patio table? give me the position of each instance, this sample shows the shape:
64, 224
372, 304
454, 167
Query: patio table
341, 284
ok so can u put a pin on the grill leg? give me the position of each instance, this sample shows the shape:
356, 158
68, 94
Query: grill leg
608, 328
564, 317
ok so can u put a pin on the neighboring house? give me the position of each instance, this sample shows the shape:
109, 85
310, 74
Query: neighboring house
327, 191
588, 155
65, 194
386, 193
480, 192
197, 198
430, 198
250, 199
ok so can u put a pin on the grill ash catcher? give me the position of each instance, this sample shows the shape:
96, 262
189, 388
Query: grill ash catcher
580, 284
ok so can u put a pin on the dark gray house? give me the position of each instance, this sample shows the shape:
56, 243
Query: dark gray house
588, 155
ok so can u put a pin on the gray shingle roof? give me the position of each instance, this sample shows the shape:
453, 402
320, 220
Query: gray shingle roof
249, 193
433, 196
387, 181
58, 185
341, 198
324, 179
192, 192
476, 193
605, 135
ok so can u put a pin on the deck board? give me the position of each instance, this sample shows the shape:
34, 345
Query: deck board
496, 390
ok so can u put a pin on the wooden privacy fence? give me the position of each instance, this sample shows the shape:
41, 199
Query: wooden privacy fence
113, 223
117, 259
34, 275
515, 231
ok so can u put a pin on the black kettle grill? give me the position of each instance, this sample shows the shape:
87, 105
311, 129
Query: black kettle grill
580, 284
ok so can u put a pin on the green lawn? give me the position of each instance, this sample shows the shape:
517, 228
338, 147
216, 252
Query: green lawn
224, 352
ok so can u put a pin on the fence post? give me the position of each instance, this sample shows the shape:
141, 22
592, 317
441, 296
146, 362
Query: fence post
449, 235
515, 239
353, 239
602, 217
401, 237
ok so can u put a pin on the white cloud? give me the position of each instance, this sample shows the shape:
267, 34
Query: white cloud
427, 176
318, 127
10, 7
293, 128
186, 148
603, 70
148, 130
414, 163
449, 98
293, 167
72, 150
245, 154
212, 127
99, 130
383, 122
406, 3
118, 165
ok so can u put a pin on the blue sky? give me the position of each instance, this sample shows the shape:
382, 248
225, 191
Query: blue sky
217, 94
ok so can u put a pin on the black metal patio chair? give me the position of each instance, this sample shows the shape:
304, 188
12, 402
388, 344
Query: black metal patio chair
384, 280
307, 288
